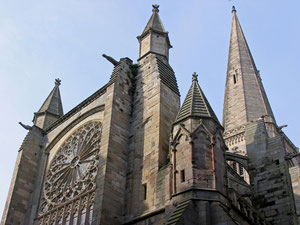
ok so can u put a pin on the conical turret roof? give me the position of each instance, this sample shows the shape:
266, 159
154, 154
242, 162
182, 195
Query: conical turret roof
195, 104
53, 103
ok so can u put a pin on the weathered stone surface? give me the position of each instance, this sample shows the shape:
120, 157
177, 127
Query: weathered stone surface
19, 200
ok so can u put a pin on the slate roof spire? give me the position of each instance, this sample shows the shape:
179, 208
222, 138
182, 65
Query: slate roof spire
51, 109
245, 97
195, 104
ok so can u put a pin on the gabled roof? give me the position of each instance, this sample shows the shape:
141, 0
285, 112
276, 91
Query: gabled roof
154, 22
195, 104
53, 102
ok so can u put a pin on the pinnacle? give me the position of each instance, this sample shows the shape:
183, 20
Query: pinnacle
53, 103
195, 104
154, 22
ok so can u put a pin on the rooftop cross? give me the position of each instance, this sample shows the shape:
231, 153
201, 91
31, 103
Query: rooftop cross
155, 8
57, 81
195, 76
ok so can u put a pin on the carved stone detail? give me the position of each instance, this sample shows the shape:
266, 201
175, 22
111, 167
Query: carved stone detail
235, 139
71, 174
235, 131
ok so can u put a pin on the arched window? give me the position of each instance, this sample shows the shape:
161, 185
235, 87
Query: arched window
69, 188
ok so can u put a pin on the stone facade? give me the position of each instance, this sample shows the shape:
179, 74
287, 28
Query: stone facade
129, 154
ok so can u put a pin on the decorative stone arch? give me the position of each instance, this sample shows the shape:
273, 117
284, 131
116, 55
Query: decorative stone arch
74, 123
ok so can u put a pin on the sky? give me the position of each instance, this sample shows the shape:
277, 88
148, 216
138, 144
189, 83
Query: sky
43, 40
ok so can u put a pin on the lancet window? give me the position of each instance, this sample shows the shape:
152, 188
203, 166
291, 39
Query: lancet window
69, 188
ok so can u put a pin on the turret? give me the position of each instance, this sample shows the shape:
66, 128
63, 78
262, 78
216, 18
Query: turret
154, 38
197, 149
51, 109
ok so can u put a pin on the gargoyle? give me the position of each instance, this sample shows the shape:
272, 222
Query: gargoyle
26, 127
111, 59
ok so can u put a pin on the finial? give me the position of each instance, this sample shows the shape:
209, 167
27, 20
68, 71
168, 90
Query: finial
233, 9
155, 8
195, 76
57, 82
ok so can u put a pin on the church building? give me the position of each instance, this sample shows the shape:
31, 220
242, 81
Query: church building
131, 154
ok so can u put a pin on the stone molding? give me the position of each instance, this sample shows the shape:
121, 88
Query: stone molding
235, 131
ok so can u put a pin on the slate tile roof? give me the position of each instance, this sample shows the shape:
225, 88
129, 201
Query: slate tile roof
195, 104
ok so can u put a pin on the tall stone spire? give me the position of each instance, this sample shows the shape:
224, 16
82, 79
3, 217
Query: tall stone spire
154, 38
245, 98
51, 109
195, 104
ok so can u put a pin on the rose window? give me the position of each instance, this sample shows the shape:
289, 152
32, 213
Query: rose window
72, 172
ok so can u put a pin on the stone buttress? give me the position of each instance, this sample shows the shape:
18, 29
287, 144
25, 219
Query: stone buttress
155, 106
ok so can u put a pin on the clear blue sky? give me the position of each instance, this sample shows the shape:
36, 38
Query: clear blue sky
44, 40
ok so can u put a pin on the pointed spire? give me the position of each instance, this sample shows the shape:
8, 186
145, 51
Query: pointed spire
245, 97
51, 109
195, 104
154, 22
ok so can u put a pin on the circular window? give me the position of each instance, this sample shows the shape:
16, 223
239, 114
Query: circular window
74, 167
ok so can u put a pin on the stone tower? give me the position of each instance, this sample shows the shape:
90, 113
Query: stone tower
155, 106
251, 130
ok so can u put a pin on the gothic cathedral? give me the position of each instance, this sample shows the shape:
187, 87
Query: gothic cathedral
131, 155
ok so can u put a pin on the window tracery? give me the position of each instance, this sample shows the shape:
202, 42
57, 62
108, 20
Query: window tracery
69, 187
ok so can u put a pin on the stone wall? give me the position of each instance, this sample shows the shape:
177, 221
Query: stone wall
155, 107
115, 147
295, 177
269, 175
24, 178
